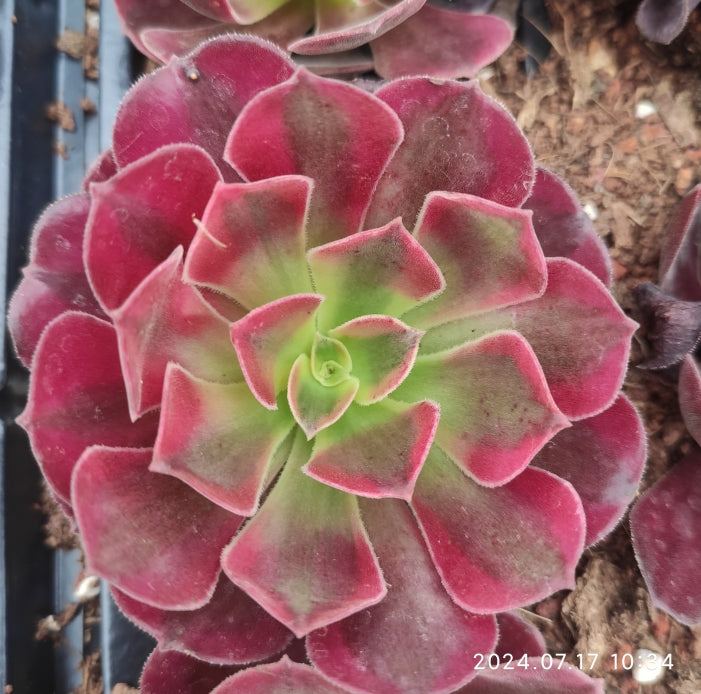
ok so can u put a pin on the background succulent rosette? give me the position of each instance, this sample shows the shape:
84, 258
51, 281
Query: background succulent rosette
276, 414
443, 38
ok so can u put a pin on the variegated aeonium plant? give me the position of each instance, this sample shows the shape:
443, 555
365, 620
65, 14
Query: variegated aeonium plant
443, 38
275, 412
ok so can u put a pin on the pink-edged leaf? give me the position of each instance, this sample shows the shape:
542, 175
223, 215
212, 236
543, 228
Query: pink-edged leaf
581, 337
382, 350
283, 677
305, 556
137, 16
679, 259
166, 320
472, 143
441, 43
230, 629
416, 640
690, 396
219, 439
664, 21
335, 133
402, 272
496, 409
150, 535
666, 533
250, 244
55, 280
269, 339
173, 672
562, 227
375, 451
345, 24
499, 548
102, 169
518, 637
196, 99
315, 405
603, 457
533, 677
77, 398
140, 215
489, 255
162, 41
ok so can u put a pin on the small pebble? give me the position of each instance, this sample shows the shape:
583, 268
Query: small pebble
591, 210
88, 588
645, 108
648, 666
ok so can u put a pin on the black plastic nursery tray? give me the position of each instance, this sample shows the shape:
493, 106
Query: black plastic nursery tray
35, 581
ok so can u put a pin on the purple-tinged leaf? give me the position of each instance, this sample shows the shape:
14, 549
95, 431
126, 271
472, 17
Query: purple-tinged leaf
382, 350
219, 439
562, 227
250, 243
77, 398
345, 24
456, 229
149, 535
474, 146
690, 396
305, 556
487, 564
664, 20
166, 320
518, 637
375, 451
333, 132
603, 458
666, 533
533, 677
230, 629
55, 280
671, 327
416, 640
402, 272
496, 409
173, 672
196, 99
314, 405
441, 43
269, 339
283, 677
141, 215
580, 336
679, 259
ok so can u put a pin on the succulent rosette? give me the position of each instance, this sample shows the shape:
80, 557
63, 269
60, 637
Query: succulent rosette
443, 38
275, 412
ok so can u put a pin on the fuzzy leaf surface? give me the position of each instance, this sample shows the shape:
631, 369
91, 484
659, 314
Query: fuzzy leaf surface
230, 629
332, 132
305, 556
149, 535
77, 398
488, 565
473, 144
250, 244
415, 640
218, 439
